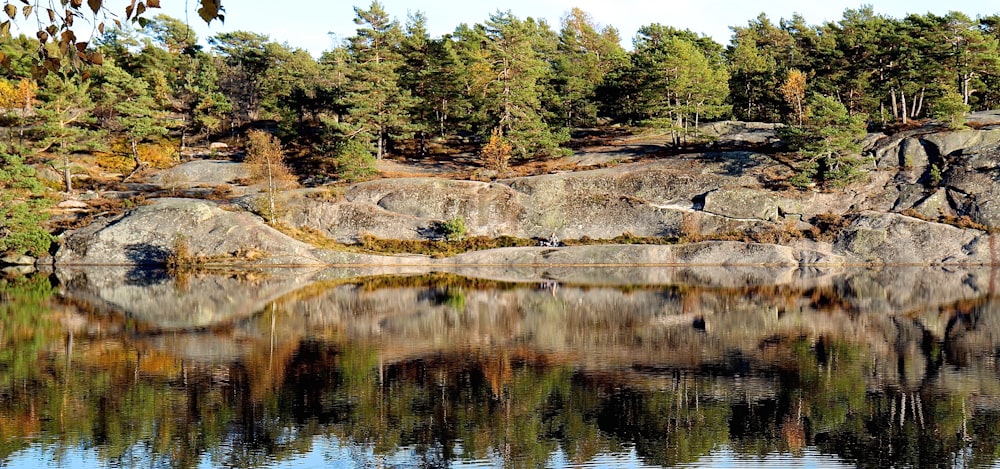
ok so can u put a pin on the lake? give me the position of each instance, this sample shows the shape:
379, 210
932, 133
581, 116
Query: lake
501, 367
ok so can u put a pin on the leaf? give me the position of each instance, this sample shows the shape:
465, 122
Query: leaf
52, 14
5, 28
96, 58
95, 5
27, 9
81, 46
210, 10
76, 3
140, 8
10, 10
100, 28
118, 23
153, 3
43, 36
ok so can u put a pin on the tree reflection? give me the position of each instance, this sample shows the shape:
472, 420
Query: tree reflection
891, 393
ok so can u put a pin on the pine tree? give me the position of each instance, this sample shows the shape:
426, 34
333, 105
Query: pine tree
513, 97
64, 121
584, 57
828, 143
378, 105
133, 111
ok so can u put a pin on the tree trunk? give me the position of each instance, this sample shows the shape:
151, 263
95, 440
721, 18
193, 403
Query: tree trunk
902, 96
67, 177
270, 190
895, 105
918, 104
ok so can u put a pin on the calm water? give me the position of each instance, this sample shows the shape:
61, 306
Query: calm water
692, 367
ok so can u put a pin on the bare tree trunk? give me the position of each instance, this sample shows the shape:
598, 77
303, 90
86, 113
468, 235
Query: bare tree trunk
67, 177
270, 189
895, 105
902, 96
919, 104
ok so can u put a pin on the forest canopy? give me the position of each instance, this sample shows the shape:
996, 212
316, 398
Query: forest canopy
530, 81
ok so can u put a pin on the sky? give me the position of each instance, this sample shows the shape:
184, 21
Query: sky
315, 24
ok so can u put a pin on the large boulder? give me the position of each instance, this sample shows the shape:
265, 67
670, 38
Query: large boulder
149, 234
888, 238
950, 143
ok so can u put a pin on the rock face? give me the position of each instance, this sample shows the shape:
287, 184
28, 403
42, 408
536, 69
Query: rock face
927, 172
888, 238
148, 236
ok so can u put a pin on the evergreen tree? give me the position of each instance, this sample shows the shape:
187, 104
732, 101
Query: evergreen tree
22, 208
759, 56
584, 57
132, 109
378, 106
64, 121
828, 143
246, 60
512, 99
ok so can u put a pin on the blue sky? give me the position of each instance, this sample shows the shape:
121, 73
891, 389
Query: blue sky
306, 23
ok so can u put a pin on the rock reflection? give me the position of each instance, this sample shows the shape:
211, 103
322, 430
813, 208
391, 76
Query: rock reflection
876, 367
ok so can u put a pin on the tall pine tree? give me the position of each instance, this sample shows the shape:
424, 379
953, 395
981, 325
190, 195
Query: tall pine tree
378, 105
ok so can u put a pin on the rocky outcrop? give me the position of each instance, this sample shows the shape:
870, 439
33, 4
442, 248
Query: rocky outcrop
888, 238
148, 235
927, 172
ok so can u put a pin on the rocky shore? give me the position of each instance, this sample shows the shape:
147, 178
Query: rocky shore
929, 198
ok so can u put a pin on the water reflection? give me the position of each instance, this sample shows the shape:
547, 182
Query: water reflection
690, 366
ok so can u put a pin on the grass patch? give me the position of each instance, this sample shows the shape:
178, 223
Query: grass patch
624, 238
439, 248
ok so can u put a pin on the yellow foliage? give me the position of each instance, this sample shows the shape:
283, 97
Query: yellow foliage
496, 153
114, 162
159, 155
8, 96
794, 91
19, 96
119, 159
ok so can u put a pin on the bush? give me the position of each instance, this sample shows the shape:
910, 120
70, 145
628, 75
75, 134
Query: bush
23, 209
951, 109
496, 153
354, 162
454, 229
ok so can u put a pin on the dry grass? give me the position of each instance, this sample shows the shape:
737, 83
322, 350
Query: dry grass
436, 248
963, 221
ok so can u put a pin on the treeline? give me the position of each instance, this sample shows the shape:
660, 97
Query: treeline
516, 79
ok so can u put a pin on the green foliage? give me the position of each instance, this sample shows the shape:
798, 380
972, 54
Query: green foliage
64, 120
130, 108
828, 144
378, 106
506, 64
935, 175
950, 109
23, 209
673, 80
454, 229
354, 162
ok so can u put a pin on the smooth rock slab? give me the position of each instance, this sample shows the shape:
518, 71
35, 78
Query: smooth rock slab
149, 234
